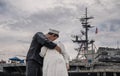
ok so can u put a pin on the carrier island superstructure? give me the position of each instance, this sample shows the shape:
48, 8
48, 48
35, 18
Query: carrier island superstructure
103, 62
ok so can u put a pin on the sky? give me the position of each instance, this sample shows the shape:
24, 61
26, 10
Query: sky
21, 19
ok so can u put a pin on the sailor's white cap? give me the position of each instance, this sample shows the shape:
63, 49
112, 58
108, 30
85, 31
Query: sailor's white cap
54, 31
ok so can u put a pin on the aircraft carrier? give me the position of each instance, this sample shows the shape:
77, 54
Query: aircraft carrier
91, 61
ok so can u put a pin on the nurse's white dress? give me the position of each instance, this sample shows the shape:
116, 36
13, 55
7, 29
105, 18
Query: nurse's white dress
54, 63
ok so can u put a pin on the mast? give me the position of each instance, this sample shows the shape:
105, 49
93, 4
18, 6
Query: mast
86, 29
84, 42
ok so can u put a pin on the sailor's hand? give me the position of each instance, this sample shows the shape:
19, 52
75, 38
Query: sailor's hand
58, 49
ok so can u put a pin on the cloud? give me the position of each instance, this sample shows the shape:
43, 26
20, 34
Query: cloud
20, 20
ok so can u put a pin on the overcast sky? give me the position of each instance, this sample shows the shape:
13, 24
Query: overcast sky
21, 19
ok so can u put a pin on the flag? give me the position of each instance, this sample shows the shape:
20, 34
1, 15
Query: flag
96, 31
